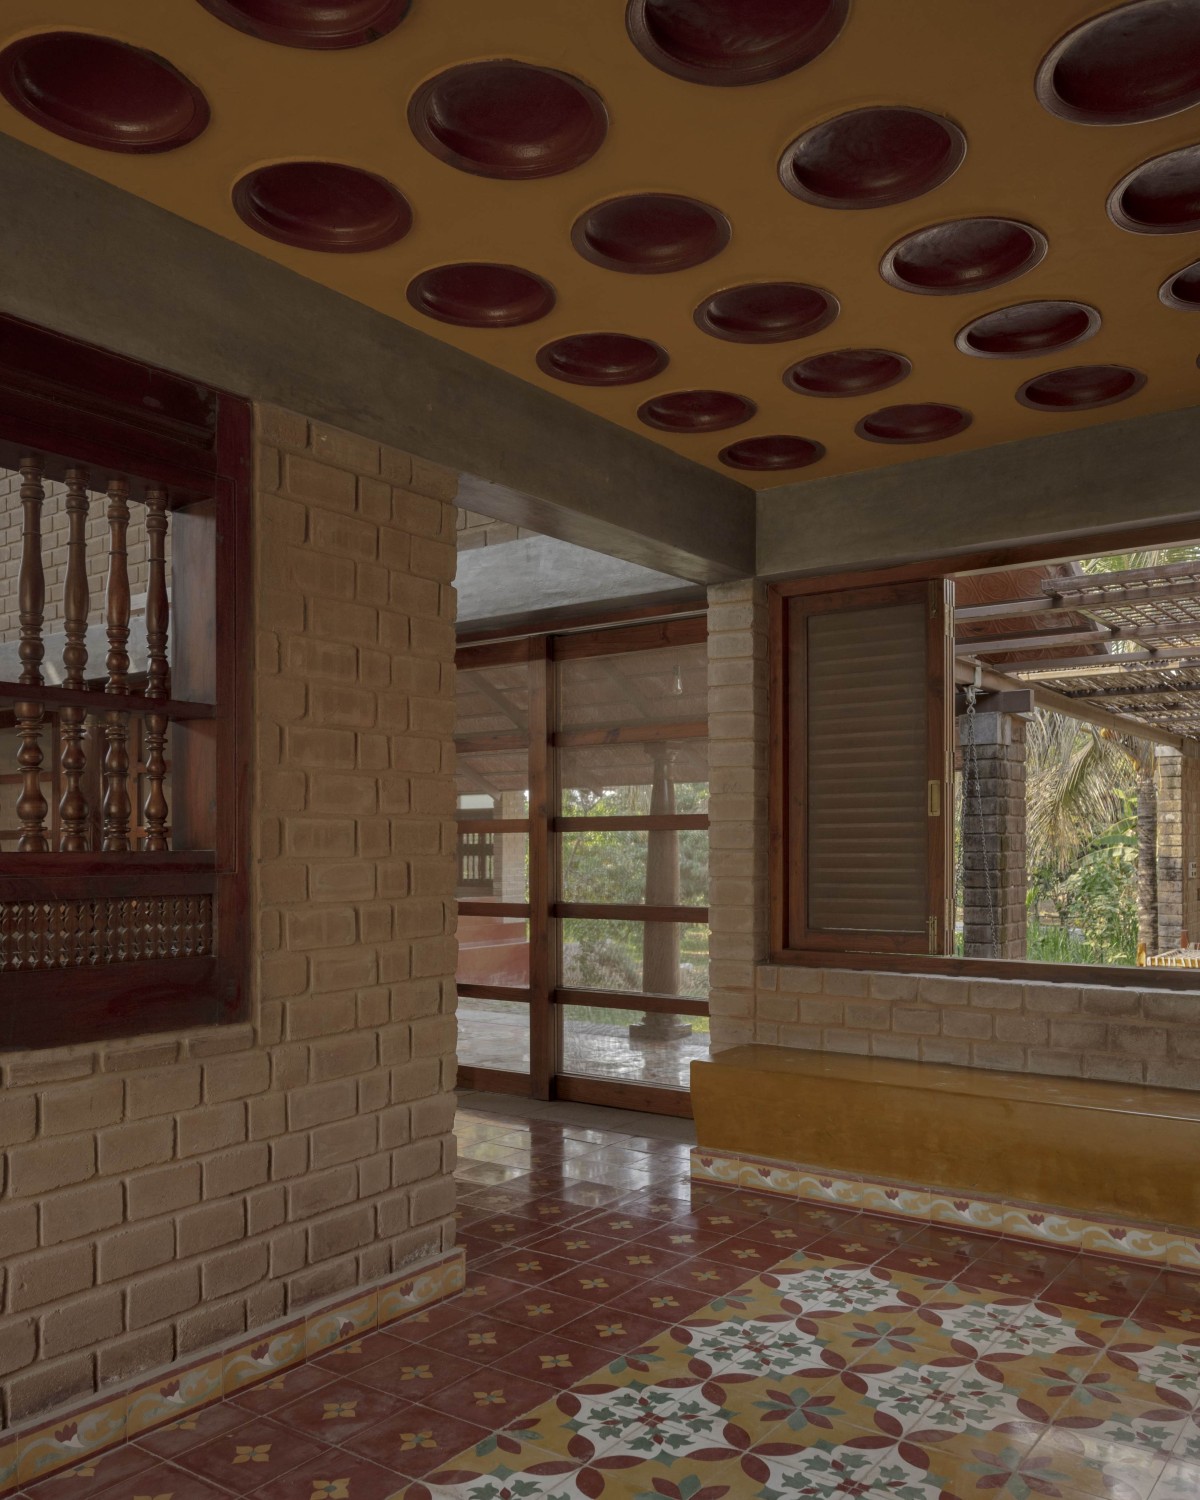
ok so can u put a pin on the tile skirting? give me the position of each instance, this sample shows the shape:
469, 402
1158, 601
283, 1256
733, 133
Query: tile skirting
83, 1431
1154, 1244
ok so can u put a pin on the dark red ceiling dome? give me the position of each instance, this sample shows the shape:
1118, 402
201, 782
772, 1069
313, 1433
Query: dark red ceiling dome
870, 158
323, 25
478, 294
777, 451
1135, 62
1162, 196
1182, 290
1081, 387
696, 411
508, 119
101, 92
733, 41
920, 422
963, 255
650, 233
847, 372
323, 205
602, 359
766, 312
1028, 328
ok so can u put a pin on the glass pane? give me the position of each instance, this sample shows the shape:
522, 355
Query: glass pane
659, 958
493, 866
632, 1047
492, 700
493, 1034
492, 783
660, 867
493, 950
634, 780
636, 687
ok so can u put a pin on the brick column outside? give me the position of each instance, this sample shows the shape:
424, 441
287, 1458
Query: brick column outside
993, 836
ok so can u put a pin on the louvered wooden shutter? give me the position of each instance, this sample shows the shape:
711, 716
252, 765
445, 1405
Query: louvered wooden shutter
868, 795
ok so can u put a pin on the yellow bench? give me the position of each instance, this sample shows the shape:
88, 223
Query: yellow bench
1104, 1148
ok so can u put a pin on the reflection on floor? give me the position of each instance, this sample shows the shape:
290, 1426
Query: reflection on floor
626, 1336
494, 1037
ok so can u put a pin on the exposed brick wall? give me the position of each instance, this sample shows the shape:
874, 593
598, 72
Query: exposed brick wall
160, 1195
482, 531
1130, 1035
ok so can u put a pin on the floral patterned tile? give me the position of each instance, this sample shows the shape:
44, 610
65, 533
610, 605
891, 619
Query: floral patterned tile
72, 1443
247, 1457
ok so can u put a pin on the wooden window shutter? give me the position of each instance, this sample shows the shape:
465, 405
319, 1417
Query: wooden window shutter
867, 772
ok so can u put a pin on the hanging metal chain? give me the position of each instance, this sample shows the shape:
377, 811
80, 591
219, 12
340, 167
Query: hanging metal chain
973, 786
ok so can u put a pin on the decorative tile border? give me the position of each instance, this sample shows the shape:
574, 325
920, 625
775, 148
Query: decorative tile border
1153, 1243
76, 1436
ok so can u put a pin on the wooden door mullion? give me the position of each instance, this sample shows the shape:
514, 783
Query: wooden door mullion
543, 884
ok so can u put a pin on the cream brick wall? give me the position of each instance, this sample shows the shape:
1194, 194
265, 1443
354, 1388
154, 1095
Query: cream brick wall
160, 1195
1128, 1035
482, 531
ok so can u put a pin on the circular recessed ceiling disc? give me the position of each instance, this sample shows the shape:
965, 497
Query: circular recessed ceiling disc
921, 422
1028, 328
696, 411
649, 233
101, 92
1136, 62
766, 312
733, 41
602, 359
477, 294
1081, 387
778, 451
318, 24
323, 205
963, 255
1183, 289
870, 158
847, 372
1162, 196
508, 119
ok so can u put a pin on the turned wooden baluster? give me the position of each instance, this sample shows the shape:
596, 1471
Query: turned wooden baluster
73, 807
116, 731
159, 672
31, 597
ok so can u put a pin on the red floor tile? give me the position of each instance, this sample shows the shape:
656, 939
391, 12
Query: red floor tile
593, 1283
484, 1291
92, 1478
337, 1411
163, 1479
284, 1388
491, 1397
576, 1243
528, 1266
415, 1440
336, 1475
412, 1375
554, 1360
540, 1310
610, 1329
248, 1457
483, 1339
345, 1359
191, 1431
645, 1261
660, 1300
708, 1276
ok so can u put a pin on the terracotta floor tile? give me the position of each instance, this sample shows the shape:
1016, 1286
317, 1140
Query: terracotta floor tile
483, 1291
282, 1389
660, 1300
417, 1326
248, 1457
540, 1310
489, 1397
410, 1376
192, 1430
415, 1439
483, 1339
575, 1243
528, 1266
646, 1262
555, 1360
337, 1411
91, 1478
702, 1275
335, 1475
345, 1359
609, 1329
593, 1283
163, 1479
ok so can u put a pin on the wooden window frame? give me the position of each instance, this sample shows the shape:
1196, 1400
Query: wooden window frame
935, 570
545, 995
75, 404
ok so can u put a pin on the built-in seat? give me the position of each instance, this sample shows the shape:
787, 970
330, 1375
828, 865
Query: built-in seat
1105, 1148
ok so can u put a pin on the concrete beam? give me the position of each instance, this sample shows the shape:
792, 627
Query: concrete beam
497, 585
99, 264
1039, 490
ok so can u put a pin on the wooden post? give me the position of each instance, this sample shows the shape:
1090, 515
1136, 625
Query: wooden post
73, 808
159, 672
660, 943
116, 732
31, 805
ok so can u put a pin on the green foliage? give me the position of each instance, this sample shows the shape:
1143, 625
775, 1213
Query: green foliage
1095, 900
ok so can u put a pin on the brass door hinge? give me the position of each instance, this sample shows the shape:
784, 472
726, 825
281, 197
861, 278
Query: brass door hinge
935, 798
933, 935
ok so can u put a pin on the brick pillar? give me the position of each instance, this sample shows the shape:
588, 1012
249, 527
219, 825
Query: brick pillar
993, 836
1169, 852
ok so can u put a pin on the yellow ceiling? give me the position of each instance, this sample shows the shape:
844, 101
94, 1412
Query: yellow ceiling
972, 61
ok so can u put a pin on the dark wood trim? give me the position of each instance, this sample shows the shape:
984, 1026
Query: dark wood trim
494, 1081
1119, 976
468, 908
666, 1005
632, 1096
630, 734
565, 621
118, 884
543, 872
136, 703
630, 824
492, 654
482, 744
690, 631
615, 912
510, 992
